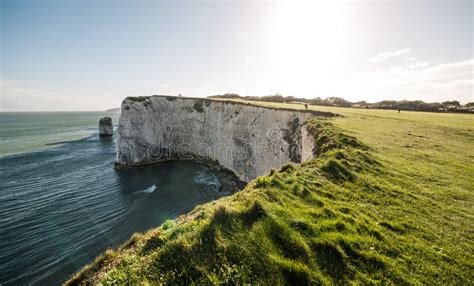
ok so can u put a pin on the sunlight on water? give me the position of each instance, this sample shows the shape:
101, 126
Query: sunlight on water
31, 131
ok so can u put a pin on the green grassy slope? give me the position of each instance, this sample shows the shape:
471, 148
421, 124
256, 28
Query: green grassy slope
388, 200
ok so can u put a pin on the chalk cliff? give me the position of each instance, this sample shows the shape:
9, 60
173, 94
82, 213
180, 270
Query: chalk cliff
247, 139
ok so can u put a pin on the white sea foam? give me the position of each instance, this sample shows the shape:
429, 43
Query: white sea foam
149, 190
204, 177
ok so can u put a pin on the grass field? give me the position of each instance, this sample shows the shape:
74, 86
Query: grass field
389, 200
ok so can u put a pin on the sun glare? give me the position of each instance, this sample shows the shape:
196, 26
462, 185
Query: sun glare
306, 44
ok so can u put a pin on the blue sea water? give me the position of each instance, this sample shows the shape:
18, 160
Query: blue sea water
62, 205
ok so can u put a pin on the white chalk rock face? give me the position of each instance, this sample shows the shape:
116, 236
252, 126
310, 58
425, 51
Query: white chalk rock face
246, 139
106, 127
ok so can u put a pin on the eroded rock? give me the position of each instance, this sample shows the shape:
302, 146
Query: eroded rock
106, 127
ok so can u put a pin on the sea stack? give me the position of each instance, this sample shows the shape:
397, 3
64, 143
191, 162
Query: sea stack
106, 127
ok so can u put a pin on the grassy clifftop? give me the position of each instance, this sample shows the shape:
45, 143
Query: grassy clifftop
389, 203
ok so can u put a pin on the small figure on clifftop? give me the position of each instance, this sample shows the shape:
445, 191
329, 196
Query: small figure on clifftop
105, 127
398, 110
306, 106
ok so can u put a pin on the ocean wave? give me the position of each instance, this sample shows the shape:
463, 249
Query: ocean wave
208, 179
34, 143
149, 190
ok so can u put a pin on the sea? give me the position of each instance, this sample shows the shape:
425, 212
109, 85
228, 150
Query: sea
62, 203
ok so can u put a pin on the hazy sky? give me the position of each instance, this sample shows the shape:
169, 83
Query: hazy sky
89, 55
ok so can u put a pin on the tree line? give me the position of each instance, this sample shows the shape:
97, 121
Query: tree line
410, 105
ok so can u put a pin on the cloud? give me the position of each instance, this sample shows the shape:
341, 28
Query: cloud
414, 80
414, 63
151, 84
389, 54
141, 81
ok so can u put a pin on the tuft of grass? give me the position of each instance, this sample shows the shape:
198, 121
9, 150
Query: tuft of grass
255, 213
333, 169
287, 168
152, 243
262, 182
331, 259
168, 224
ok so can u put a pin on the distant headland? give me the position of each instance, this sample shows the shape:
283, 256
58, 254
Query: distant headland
116, 109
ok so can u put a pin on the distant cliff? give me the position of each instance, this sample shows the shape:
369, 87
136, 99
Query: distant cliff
250, 140
117, 109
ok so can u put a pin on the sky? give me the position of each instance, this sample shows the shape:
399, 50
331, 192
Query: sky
89, 55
